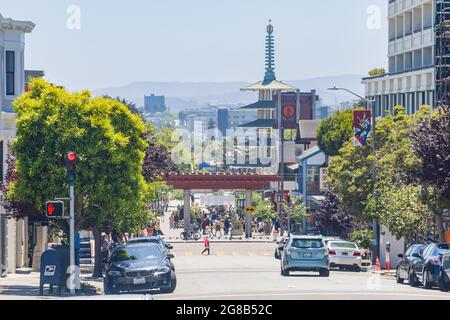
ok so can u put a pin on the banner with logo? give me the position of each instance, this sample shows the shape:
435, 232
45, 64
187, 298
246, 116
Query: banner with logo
362, 126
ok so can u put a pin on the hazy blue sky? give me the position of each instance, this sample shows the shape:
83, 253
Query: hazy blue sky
122, 41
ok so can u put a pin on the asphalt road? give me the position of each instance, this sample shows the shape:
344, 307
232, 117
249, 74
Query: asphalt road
248, 271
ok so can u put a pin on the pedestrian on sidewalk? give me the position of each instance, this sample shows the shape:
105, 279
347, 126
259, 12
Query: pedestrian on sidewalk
171, 222
218, 227
207, 248
176, 220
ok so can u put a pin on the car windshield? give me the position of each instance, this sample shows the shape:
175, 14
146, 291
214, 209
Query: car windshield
445, 246
141, 252
307, 243
344, 245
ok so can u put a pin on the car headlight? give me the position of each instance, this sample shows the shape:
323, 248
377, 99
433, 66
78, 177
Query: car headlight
162, 270
115, 273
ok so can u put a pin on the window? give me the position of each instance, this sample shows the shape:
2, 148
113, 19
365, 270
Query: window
307, 243
10, 72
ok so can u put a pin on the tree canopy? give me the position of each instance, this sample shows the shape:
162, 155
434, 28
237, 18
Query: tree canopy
335, 131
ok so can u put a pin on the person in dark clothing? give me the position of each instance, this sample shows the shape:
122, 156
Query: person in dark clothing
226, 226
207, 248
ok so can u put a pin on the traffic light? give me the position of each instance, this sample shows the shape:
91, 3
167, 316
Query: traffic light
54, 209
71, 166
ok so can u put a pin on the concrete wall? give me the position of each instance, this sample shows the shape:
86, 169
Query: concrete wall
397, 247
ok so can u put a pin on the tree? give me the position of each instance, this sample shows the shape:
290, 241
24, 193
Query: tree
349, 176
332, 216
431, 144
130, 105
264, 210
377, 72
335, 131
110, 188
363, 238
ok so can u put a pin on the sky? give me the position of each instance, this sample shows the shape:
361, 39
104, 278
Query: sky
105, 43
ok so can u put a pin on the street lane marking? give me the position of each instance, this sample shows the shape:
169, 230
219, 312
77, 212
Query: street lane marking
267, 253
220, 254
252, 254
188, 254
236, 254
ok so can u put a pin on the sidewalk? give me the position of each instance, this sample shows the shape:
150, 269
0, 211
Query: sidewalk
26, 286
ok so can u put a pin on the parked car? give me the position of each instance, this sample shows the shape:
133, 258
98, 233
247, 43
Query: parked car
139, 267
279, 247
444, 274
426, 270
344, 254
406, 261
305, 253
163, 245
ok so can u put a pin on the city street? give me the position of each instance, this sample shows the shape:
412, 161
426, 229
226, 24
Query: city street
248, 271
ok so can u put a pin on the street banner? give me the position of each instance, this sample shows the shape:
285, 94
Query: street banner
362, 126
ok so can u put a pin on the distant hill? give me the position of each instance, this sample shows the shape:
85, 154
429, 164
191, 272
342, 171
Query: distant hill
181, 95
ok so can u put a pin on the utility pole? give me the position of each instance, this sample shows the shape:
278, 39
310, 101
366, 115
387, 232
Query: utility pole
71, 159
375, 224
281, 155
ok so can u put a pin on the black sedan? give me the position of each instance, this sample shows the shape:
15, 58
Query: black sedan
426, 270
139, 267
406, 260
162, 244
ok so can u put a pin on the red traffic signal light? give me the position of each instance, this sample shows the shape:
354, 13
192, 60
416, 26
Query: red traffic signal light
54, 209
71, 166
71, 156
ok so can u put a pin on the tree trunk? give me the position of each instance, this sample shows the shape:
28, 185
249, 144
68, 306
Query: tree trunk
98, 253
440, 228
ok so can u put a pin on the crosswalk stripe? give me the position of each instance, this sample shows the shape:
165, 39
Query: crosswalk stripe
252, 254
188, 254
220, 254
236, 254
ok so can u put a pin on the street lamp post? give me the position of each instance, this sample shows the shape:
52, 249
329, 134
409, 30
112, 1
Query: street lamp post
375, 225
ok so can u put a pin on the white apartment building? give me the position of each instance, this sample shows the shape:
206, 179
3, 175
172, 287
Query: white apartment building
410, 78
14, 244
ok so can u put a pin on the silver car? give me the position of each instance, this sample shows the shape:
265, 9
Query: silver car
344, 254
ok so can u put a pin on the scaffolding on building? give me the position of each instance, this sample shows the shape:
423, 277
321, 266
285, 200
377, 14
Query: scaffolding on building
442, 65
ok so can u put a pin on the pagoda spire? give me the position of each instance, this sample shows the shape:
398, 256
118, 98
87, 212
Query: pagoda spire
270, 56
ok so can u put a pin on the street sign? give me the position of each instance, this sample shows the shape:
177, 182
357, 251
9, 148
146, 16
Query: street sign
250, 209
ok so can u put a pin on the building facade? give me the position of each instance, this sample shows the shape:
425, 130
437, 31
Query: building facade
154, 104
410, 78
14, 238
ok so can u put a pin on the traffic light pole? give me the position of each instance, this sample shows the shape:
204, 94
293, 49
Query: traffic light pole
72, 235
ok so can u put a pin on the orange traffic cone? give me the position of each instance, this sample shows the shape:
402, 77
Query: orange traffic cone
377, 265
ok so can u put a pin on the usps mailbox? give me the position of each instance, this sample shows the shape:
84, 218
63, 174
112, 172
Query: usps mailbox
54, 264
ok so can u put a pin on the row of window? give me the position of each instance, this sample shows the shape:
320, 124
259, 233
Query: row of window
412, 101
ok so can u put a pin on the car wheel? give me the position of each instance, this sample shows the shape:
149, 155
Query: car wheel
397, 276
172, 266
173, 284
285, 272
357, 268
412, 279
324, 273
426, 283
443, 286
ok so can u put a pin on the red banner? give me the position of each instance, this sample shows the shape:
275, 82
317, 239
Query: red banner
362, 126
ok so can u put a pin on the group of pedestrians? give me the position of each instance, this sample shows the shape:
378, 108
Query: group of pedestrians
214, 225
174, 220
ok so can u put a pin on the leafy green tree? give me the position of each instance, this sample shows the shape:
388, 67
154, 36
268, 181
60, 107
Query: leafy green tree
431, 144
110, 188
265, 210
335, 131
363, 238
399, 207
